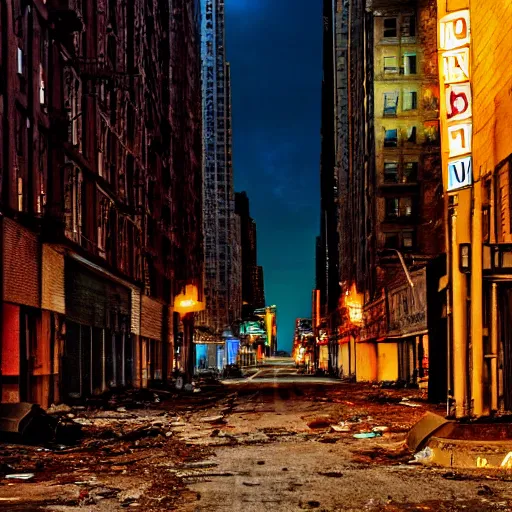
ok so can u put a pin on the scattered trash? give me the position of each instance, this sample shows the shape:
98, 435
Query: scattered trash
59, 409
341, 428
331, 474
380, 429
28, 422
213, 419
485, 490
409, 404
424, 456
20, 476
320, 423
367, 435
188, 387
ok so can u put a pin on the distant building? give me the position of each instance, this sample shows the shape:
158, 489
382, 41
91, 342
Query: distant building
221, 240
253, 292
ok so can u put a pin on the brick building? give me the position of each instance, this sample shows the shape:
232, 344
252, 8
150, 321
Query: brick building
101, 204
383, 178
475, 42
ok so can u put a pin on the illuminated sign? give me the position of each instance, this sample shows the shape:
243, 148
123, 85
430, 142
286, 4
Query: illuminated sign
454, 40
459, 173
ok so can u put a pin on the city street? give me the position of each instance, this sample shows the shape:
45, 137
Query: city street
275, 441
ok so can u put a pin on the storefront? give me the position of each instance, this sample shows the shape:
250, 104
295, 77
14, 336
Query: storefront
98, 349
405, 349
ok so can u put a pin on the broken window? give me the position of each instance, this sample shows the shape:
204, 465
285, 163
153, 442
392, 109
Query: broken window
390, 172
398, 207
390, 64
390, 27
391, 241
73, 106
391, 138
390, 103
73, 202
410, 173
408, 26
410, 100
409, 64
105, 205
411, 134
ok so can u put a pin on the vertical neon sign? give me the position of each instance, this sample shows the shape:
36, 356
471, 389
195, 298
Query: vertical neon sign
455, 38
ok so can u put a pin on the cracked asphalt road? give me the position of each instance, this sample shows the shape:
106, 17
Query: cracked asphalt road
277, 441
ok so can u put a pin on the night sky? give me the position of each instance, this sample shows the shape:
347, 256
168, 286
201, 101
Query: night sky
275, 50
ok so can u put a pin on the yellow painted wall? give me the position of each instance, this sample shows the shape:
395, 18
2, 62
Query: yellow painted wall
344, 358
366, 362
387, 361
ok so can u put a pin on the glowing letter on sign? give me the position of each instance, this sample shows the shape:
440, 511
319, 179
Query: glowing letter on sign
458, 102
456, 66
459, 173
454, 30
459, 139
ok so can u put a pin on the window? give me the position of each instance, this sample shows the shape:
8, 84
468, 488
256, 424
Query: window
410, 174
390, 27
391, 138
392, 241
409, 64
19, 62
410, 100
73, 202
408, 26
411, 134
390, 103
390, 64
408, 239
390, 172
398, 207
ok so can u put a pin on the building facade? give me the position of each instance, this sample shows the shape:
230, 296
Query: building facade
100, 192
388, 199
253, 292
222, 284
474, 43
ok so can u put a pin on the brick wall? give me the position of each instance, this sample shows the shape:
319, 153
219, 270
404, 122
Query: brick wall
21, 257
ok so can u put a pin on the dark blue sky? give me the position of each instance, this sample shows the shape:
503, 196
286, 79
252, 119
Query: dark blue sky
275, 50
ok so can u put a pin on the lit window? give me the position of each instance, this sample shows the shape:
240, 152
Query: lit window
390, 64
398, 207
410, 174
390, 103
391, 138
390, 172
390, 27
409, 64
42, 86
408, 239
405, 207
20, 62
392, 207
410, 100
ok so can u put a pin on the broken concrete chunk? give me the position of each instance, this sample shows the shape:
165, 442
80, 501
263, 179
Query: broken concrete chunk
212, 419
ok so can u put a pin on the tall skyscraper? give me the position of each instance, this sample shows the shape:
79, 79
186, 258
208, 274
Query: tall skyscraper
222, 284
